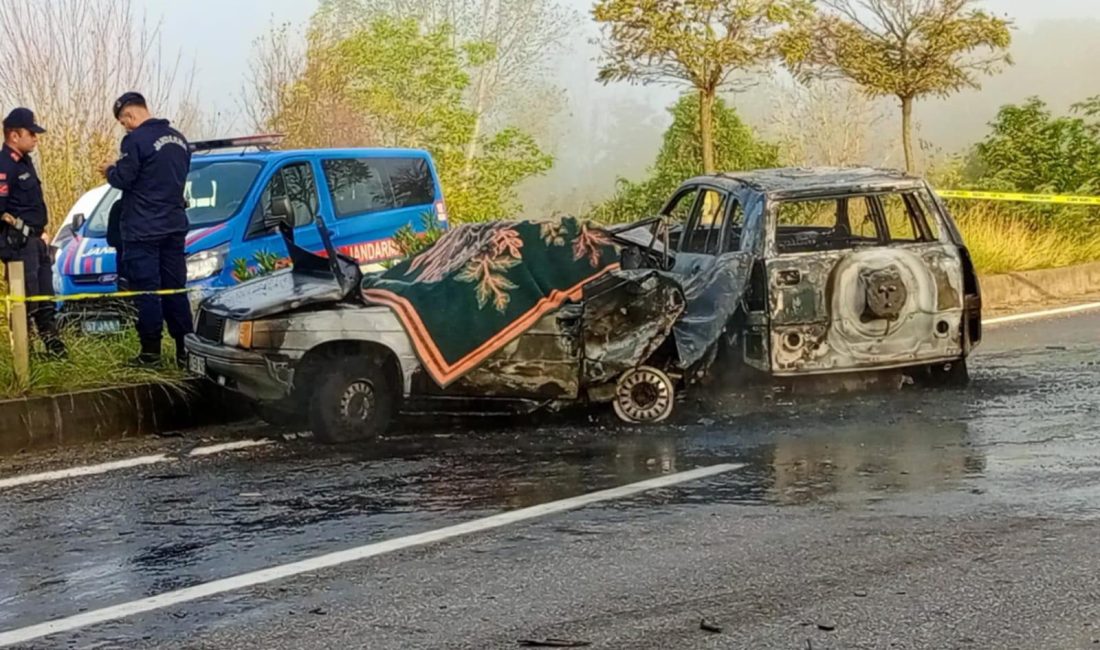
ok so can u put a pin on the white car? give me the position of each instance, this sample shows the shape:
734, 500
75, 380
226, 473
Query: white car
84, 205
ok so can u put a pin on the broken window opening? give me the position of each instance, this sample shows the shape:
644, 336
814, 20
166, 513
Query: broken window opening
812, 225
905, 219
714, 226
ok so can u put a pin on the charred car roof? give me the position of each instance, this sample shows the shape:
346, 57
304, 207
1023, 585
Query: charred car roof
796, 182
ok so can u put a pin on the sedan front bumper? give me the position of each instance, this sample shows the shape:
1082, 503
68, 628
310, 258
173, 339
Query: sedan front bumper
260, 376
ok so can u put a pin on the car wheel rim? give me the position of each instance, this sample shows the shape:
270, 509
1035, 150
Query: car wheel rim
357, 402
644, 395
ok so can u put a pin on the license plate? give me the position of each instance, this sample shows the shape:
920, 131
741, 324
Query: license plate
197, 365
102, 326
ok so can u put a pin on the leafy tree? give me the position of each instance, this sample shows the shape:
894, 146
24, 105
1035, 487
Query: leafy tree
394, 83
906, 49
736, 147
1030, 150
700, 44
508, 83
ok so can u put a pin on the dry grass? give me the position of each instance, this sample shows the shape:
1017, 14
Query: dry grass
1002, 244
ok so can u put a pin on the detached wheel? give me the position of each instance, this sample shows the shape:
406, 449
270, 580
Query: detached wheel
948, 375
644, 396
354, 401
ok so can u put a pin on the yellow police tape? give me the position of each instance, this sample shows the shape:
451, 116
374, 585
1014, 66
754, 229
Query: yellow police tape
95, 296
1063, 199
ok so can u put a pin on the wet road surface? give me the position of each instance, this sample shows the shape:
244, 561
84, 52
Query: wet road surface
884, 519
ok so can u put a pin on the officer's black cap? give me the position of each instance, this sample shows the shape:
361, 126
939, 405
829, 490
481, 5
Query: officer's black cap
22, 118
126, 100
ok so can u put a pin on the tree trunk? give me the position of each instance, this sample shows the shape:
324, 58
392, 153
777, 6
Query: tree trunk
481, 93
907, 131
706, 127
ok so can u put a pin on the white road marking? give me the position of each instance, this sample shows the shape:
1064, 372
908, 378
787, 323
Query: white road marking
272, 574
1043, 314
103, 468
228, 446
87, 470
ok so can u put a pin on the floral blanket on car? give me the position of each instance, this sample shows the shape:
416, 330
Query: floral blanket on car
482, 285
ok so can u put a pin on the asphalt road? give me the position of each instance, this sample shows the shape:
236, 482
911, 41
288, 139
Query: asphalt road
878, 519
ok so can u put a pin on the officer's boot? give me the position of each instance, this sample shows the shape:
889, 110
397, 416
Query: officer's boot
149, 357
45, 323
55, 347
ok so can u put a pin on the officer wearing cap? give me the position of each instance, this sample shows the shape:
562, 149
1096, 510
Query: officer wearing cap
23, 220
151, 172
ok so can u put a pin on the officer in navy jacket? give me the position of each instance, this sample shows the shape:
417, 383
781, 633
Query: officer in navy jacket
23, 220
152, 172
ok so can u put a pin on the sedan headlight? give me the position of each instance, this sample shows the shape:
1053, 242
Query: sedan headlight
238, 334
205, 264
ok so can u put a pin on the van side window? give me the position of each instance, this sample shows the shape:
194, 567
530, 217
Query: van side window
411, 181
294, 181
357, 186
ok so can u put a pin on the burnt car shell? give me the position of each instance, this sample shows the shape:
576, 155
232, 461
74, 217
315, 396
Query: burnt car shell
821, 298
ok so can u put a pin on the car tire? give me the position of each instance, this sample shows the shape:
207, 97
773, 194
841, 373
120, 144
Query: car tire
954, 374
353, 402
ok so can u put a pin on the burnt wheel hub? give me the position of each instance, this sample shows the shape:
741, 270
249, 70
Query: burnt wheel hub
885, 294
644, 395
357, 402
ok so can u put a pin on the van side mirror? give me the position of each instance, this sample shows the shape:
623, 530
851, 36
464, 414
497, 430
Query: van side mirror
79, 221
280, 212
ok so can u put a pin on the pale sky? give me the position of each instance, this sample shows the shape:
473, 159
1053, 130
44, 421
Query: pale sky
217, 35
1056, 46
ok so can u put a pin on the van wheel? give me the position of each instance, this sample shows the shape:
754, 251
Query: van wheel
354, 401
644, 395
948, 375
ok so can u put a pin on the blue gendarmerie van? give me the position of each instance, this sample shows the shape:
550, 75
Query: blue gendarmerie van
363, 196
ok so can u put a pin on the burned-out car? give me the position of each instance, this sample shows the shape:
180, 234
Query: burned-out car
781, 273
847, 270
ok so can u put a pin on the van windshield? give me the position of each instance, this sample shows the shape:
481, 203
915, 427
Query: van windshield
215, 191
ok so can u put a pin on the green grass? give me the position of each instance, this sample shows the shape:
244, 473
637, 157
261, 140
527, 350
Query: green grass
94, 362
1002, 244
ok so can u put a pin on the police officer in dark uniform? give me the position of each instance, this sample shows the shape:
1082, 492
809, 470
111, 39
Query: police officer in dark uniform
23, 219
151, 172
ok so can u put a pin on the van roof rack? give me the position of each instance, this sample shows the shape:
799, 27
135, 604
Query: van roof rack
261, 142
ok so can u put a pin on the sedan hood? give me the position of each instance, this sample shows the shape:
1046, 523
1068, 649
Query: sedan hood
311, 280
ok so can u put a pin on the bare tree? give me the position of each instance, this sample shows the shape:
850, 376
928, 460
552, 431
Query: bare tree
278, 60
832, 123
296, 86
68, 60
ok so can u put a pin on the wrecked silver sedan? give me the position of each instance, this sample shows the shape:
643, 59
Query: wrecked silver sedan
777, 273
501, 317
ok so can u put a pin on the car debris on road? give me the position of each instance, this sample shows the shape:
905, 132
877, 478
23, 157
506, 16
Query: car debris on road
773, 273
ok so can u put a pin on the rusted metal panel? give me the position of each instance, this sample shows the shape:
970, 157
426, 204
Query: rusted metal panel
541, 363
624, 323
880, 307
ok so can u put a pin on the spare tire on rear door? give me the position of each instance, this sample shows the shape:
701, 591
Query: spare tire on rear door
354, 399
